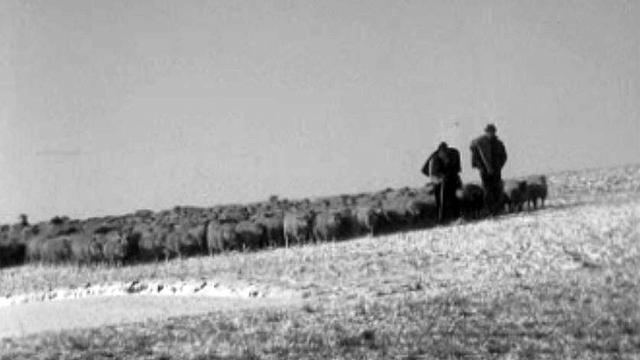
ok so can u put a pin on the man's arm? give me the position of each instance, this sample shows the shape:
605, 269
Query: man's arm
502, 154
425, 167
434, 169
479, 160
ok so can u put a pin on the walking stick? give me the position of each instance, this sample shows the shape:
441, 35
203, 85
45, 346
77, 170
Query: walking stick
441, 210
489, 196
484, 160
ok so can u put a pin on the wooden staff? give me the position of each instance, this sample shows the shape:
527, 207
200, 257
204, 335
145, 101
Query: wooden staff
441, 210
484, 160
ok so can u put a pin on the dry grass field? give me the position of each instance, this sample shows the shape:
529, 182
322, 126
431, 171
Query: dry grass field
562, 282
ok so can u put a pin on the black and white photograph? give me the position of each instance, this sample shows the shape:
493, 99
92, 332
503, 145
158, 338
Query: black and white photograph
319, 179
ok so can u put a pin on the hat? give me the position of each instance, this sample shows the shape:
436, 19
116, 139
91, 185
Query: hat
490, 128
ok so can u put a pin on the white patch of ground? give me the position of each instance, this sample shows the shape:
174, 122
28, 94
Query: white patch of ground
198, 288
91, 312
110, 304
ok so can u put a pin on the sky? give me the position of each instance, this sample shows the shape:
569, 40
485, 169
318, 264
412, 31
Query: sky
108, 106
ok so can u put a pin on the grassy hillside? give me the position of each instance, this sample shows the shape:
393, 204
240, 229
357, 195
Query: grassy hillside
557, 283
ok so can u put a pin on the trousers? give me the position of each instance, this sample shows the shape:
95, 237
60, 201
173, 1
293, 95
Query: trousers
493, 189
446, 200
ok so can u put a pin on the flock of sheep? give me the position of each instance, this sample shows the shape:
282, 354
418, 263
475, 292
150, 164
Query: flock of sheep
187, 231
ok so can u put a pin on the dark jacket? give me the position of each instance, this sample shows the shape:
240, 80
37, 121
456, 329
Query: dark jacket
488, 154
447, 167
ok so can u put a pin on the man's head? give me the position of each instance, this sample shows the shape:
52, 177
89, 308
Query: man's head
490, 130
442, 148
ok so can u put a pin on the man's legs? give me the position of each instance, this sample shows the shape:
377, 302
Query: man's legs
486, 185
492, 193
451, 207
496, 197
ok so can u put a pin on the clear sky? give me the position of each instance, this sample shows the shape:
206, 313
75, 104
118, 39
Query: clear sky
108, 106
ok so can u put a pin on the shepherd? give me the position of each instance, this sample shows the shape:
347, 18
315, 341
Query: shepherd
443, 169
488, 155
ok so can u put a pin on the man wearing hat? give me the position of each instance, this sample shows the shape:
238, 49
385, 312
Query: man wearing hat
443, 168
488, 155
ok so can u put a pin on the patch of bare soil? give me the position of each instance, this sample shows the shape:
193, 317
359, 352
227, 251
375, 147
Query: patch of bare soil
108, 304
91, 312
200, 288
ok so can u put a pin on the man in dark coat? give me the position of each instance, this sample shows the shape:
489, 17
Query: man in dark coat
443, 168
489, 155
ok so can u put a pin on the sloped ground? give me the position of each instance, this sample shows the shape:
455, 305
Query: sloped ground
542, 241
567, 191
557, 283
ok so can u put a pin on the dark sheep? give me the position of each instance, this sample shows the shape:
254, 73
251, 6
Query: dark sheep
273, 223
13, 244
471, 198
184, 240
147, 239
12, 253
515, 194
422, 211
396, 216
250, 235
348, 223
537, 189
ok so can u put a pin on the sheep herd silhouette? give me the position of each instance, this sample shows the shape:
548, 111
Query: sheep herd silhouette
147, 236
